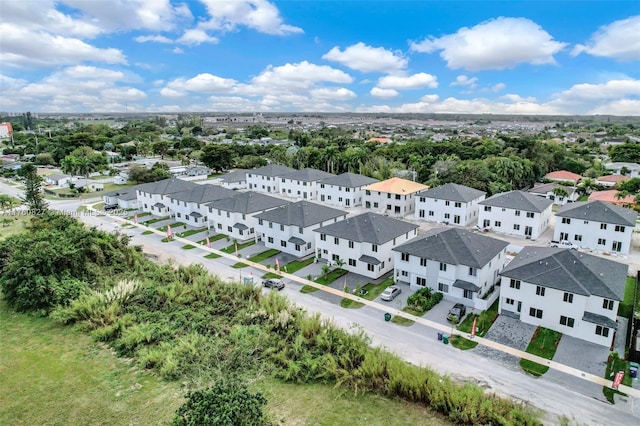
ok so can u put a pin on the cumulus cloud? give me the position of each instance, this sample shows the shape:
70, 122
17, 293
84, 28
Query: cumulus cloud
196, 36
430, 98
498, 87
586, 93
619, 40
333, 94
517, 98
363, 58
618, 107
259, 15
383, 93
495, 44
463, 80
153, 38
300, 75
414, 81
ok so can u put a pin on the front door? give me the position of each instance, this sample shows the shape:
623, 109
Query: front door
528, 231
519, 307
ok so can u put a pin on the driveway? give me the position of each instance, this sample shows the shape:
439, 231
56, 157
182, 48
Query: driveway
510, 332
439, 312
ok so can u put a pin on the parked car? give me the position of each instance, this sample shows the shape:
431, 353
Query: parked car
108, 207
563, 244
390, 293
276, 283
457, 313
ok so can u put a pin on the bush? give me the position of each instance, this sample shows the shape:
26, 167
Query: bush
424, 299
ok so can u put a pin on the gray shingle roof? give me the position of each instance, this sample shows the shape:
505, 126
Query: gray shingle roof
368, 227
518, 200
349, 180
599, 212
167, 186
452, 192
235, 176
542, 189
272, 170
599, 319
247, 202
301, 213
122, 194
466, 285
369, 259
204, 193
296, 240
454, 246
307, 175
569, 270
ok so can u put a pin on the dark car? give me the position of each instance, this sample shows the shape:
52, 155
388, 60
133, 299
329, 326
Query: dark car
108, 207
276, 283
390, 293
457, 312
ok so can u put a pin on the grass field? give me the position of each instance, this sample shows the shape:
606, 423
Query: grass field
483, 323
372, 291
10, 225
543, 343
324, 280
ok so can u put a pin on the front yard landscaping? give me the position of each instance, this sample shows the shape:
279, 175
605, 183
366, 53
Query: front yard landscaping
615, 364
191, 232
212, 256
325, 279
232, 248
174, 227
483, 324
369, 292
154, 220
258, 258
543, 344
418, 304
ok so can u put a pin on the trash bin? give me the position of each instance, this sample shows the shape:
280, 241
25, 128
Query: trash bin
633, 372
445, 339
387, 317
439, 335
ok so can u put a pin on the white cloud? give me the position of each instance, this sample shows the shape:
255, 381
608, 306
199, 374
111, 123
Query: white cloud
498, 87
414, 81
618, 107
463, 80
299, 75
517, 98
383, 93
153, 38
177, 50
172, 93
259, 15
586, 93
333, 94
429, 99
365, 58
196, 36
495, 44
619, 40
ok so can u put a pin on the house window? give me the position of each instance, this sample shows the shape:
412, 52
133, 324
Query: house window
568, 297
497, 224
516, 227
270, 240
423, 261
229, 229
473, 271
530, 215
458, 204
336, 240
352, 262
283, 243
536, 313
566, 220
421, 213
602, 331
180, 215
270, 224
456, 219
375, 204
566, 321
370, 267
577, 237
540, 291
468, 294
620, 228
517, 212
219, 226
404, 273
367, 192
421, 281
509, 301
515, 284
444, 288
322, 185
603, 226
397, 196
446, 203
300, 230
260, 221
351, 244
487, 208
607, 304
431, 213
602, 242
323, 237
374, 248
443, 266
282, 227
486, 223
447, 215
404, 257
616, 246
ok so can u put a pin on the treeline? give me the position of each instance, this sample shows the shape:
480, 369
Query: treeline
192, 327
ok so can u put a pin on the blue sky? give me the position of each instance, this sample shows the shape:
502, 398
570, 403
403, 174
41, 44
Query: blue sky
514, 57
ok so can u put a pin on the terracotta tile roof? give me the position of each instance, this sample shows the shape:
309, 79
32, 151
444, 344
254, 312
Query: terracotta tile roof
610, 197
563, 175
397, 185
613, 178
380, 140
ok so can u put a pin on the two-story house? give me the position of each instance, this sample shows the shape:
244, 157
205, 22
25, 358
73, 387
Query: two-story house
596, 225
344, 190
364, 242
449, 203
153, 197
392, 197
627, 169
190, 206
515, 213
268, 178
565, 290
289, 228
124, 198
559, 194
235, 215
302, 183
236, 179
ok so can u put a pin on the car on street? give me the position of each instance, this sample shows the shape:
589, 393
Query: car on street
564, 244
276, 283
457, 313
390, 293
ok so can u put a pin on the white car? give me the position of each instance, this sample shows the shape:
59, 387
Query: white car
564, 244
390, 293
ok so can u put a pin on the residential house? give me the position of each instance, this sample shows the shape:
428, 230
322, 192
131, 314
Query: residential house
57, 179
235, 215
449, 203
344, 190
563, 176
611, 180
574, 293
302, 183
191, 207
611, 196
596, 225
267, 179
153, 197
363, 242
393, 197
124, 198
236, 179
289, 228
627, 169
515, 213
89, 184
550, 192
461, 264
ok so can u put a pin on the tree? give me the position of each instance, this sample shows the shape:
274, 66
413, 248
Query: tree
227, 403
33, 197
6, 202
560, 192
217, 157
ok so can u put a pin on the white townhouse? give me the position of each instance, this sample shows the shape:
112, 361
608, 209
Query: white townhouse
153, 197
546, 190
515, 213
449, 203
302, 183
190, 206
289, 228
364, 242
632, 169
235, 216
344, 190
392, 197
596, 225
236, 179
268, 178
124, 198
565, 290
461, 264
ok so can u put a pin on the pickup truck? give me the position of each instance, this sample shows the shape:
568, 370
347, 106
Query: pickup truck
563, 244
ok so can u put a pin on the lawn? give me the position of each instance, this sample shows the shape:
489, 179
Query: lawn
258, 258
483, 324
212, 238
57, 375
543, 344
627, 302
615, 364
372, 291
188, 247
142, 214
147, 232
396, 319
296, 265
174, 227
212, 256
232, 248
154, 220
271, 275
324, 280
10, 225
191, 232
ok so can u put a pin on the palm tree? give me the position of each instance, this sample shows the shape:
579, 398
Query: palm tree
560, 192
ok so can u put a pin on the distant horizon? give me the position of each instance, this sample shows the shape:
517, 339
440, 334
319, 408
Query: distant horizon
524, 58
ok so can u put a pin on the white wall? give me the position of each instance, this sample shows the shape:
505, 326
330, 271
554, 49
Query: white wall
389, 204
590, 234
261, 183
455, 213
222, 222
298, 189
505, 220
340, 196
